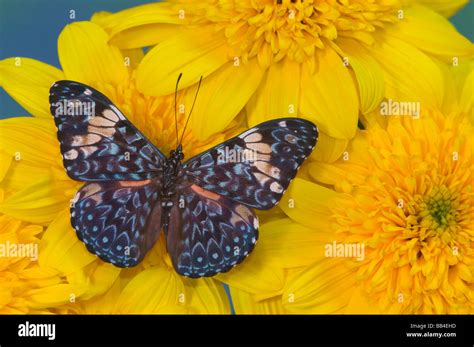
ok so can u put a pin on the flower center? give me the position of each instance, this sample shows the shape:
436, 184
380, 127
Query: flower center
411, 205
441, 208
274, 29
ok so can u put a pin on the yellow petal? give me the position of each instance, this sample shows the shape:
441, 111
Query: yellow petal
99, 277
150, 291
467, 96
28, 81
60, 248
278, 93
5, 162
53, 295
359, 303
39, 202
329, 96
145, 35
328, 149
103, 304
245, 303
86, 56
367, 72
19, 133
326, 174
30, 164
325, 287
221, 97
431, 32
194, 53
446, 7
141, 26
409, 74
132, 57
255, 275
309, 202
207, 296
288, 244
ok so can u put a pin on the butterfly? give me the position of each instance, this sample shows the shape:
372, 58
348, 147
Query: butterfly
133, 191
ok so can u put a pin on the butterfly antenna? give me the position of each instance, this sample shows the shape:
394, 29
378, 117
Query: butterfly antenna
175, 106
190, 112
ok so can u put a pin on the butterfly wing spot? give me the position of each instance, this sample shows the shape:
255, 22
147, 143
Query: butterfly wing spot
71, 154
254, 137
256, 223
99, 121
260, 147
276, 187
86, 191
111, 115
81, 140
290, 138
268, 169
104, 132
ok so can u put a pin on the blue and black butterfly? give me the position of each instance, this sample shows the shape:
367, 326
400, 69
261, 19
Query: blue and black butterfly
204, 205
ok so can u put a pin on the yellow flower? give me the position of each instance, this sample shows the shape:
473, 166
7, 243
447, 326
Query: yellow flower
404, 192
321, 60
26, 287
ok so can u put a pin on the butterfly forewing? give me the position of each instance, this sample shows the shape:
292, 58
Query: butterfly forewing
119, 221
97, 142
209, 233
256, 167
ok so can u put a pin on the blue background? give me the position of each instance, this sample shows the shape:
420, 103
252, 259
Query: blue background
29, 28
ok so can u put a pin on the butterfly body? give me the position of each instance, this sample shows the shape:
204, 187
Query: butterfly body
203, 204
171, 169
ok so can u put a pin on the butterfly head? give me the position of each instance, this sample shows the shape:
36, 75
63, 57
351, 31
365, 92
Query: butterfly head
177, 154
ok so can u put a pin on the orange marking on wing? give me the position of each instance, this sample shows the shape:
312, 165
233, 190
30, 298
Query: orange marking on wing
134, 183
204, 192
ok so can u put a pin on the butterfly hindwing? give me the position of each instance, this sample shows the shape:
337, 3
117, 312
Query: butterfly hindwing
97, 142
119, 221
256, 167
208, 233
